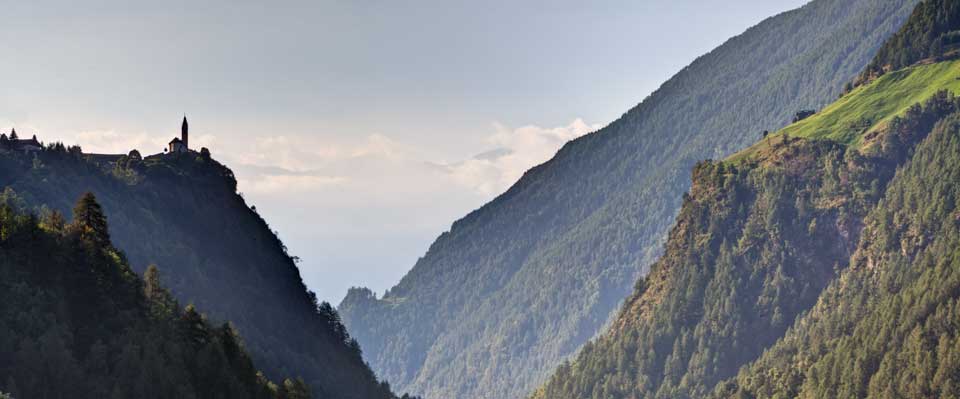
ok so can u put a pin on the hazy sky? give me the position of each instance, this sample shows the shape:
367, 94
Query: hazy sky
360, 129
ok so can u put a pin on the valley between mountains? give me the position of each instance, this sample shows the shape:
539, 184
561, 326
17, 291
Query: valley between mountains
780, 219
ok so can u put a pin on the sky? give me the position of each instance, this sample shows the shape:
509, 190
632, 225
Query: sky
359, 129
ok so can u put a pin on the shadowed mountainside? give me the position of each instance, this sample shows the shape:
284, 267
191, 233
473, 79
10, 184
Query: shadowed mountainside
182, 212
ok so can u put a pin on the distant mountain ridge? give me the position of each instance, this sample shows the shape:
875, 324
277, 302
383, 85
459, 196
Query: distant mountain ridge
520, 284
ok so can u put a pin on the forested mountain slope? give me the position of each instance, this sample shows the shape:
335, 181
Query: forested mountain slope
930, 34
182, 213
889, 325
757, 242
520, 284
77, 322
768, 234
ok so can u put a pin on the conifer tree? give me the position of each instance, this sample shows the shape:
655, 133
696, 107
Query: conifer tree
193, 325
53, 220
151, 282
160, 300
295, 389
90, 222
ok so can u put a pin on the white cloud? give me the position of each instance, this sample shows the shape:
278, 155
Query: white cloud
94, 141
288, 152
111, 142
278, 164
108, 141
379, 166
289, 184
203, 140
514, 152
378, 145
376, 165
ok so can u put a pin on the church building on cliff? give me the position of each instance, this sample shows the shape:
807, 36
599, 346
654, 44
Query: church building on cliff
180, 144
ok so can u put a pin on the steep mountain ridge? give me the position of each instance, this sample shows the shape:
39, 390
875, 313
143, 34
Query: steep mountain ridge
76, 321
768, 234
182, 212
518, 285
889, 325
757, 242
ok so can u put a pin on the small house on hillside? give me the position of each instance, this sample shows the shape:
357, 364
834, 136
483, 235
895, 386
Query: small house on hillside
804, 114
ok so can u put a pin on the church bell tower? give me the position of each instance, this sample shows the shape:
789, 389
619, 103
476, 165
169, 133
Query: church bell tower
184, 134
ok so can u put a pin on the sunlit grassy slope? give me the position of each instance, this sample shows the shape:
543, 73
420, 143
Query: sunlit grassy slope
870, 107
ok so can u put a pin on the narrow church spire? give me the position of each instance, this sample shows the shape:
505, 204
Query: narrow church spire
184, 134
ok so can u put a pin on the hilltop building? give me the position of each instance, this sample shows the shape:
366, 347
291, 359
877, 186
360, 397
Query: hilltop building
14, 143
182, 143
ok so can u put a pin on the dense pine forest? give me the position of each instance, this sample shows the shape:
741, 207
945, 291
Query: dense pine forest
77, 322
889, 325
182, 213
521, 284
930, 34
755, 246
821, 260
